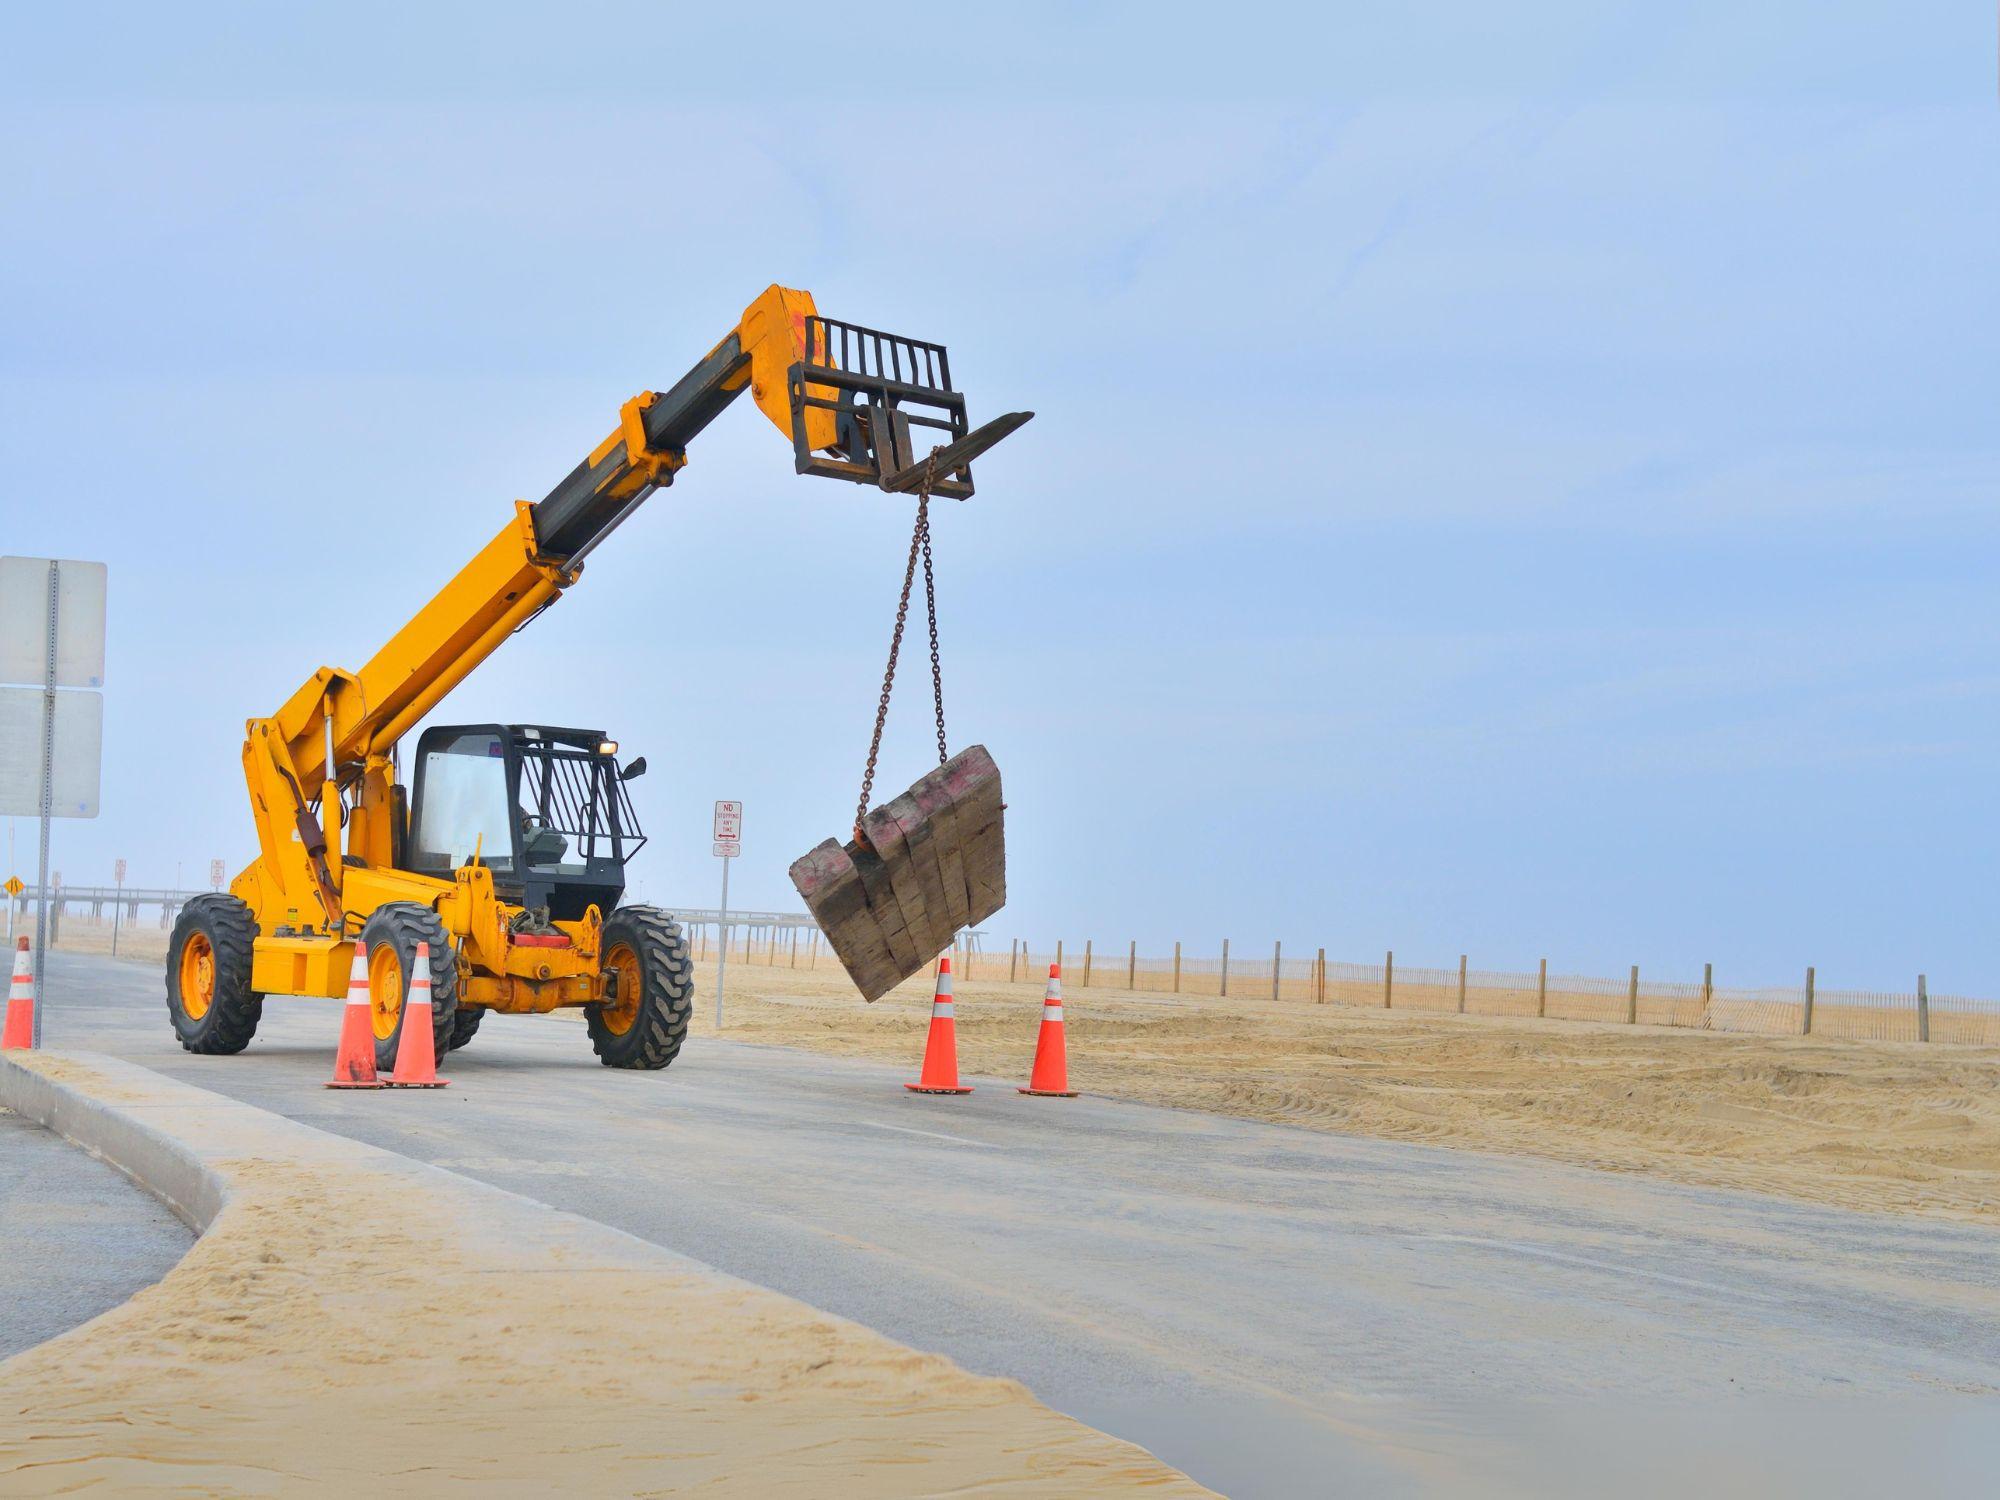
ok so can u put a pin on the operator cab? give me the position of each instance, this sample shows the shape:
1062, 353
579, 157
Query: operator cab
545, 809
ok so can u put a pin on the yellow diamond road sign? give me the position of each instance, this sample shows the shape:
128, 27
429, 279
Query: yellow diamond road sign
14, 886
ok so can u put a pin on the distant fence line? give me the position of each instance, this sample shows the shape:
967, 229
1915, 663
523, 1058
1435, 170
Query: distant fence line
786, 940
1772, 1010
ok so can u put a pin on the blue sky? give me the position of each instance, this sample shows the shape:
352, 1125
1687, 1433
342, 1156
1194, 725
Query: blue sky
1508, 480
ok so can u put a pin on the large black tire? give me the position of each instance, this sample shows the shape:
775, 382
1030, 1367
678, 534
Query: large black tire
401, 925
209, 957
465, 1023
645, 1026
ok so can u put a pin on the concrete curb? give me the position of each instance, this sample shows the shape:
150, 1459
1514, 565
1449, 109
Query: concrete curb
152, 1158
180, 1143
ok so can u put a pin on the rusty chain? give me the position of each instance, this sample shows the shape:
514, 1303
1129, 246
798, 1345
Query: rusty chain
930, 604
920, 543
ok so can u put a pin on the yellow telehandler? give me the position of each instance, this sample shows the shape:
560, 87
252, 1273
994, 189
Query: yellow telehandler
507, 851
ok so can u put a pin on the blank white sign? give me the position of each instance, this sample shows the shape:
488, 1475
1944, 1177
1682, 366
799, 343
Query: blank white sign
24, 621
79, 745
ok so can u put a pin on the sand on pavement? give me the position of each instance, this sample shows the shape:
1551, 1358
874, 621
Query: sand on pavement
1872, 1125
352, 1322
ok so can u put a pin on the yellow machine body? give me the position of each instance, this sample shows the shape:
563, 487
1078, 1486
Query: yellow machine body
321, 771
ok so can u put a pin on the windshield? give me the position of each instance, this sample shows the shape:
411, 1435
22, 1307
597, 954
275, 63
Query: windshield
463, 805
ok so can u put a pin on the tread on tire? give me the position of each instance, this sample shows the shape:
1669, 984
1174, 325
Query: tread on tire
234, 1009
666, 991
404, 924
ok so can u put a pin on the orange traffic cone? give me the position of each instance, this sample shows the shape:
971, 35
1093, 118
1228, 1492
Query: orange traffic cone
19, 1033
416, 1049
354, 1063
1049, 1078
940, 1074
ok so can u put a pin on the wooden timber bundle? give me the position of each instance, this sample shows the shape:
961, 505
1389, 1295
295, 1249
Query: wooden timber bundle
922, 867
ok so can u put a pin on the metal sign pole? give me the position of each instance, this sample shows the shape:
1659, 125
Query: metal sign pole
48, 772
117, 908
722, 927
728, 844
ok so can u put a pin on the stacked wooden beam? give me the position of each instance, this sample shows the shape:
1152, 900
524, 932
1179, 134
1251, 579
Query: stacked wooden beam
926, 864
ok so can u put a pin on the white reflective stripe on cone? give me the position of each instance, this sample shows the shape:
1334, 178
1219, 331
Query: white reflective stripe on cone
944, 983
1055, 989
941, 1008
1051, 1012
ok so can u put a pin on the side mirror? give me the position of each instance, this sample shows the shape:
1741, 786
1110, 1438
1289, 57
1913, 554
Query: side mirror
633, 771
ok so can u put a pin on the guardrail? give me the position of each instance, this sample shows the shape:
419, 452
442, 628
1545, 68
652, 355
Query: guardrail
98, 899
760, 927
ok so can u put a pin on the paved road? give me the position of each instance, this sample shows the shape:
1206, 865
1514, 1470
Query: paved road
76, 1238
1277, 1311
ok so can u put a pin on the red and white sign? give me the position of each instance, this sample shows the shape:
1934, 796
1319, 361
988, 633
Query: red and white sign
120, 876
728, 829
215, 874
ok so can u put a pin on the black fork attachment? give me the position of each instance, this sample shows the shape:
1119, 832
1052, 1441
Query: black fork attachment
893, 403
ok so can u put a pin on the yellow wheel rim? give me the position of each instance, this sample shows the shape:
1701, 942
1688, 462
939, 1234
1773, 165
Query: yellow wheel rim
385, 990
197, 976
620, 1009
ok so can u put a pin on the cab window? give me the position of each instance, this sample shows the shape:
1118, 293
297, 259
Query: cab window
463, 806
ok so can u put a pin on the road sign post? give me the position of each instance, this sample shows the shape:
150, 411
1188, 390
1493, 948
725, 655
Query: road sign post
118, 906
47, 805
728, 844
215, 874
52, 636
